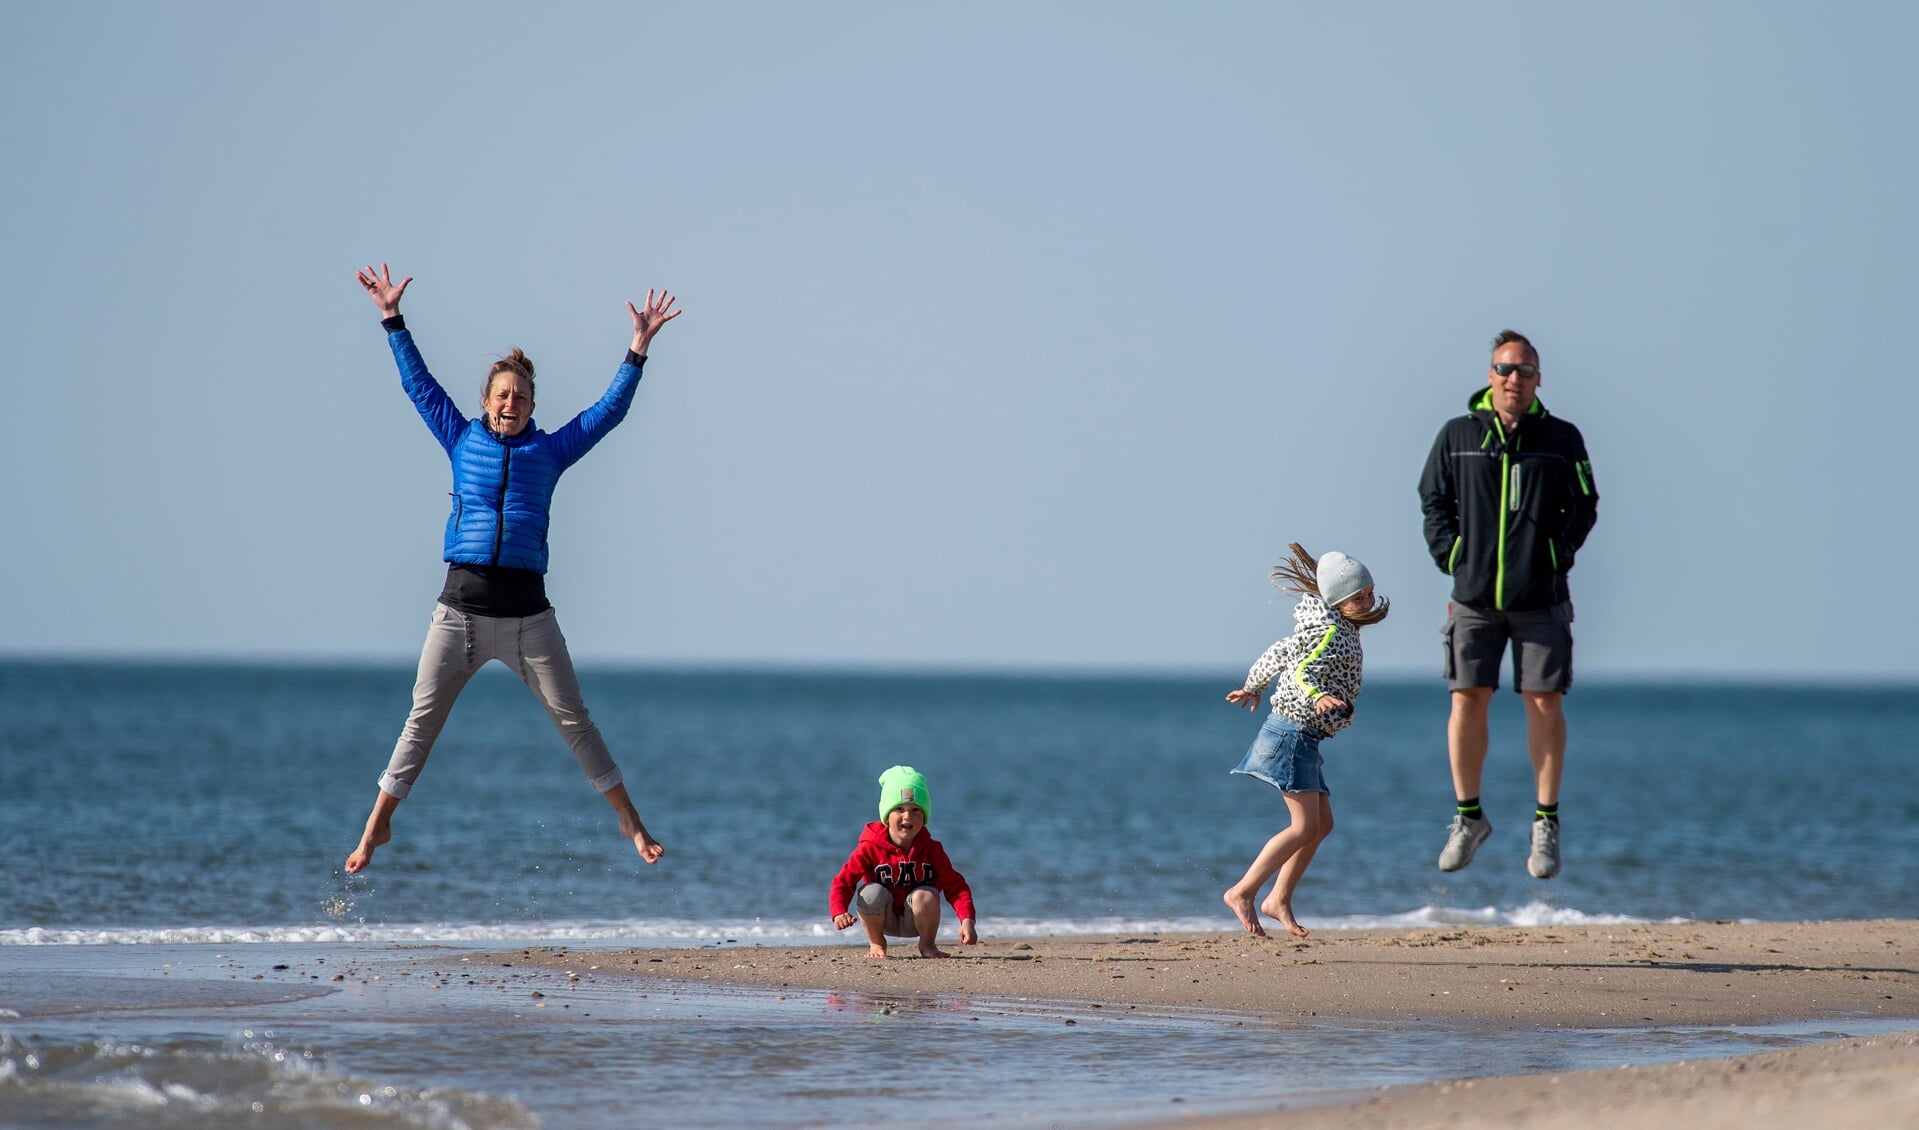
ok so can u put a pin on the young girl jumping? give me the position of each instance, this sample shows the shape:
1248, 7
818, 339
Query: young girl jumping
1315, 676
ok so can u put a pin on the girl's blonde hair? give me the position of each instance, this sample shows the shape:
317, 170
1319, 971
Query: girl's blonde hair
1301, 575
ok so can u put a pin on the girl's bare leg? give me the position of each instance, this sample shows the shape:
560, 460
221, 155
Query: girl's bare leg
1279, 904
1304, 830
650, 849
379, 829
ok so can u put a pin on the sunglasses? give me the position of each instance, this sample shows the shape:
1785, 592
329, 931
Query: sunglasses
1526, 372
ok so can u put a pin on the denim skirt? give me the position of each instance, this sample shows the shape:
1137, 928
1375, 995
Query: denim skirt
1286, 757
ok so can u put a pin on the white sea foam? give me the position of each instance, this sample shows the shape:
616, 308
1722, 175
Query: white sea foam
683, 932
1531, 914
191, 1085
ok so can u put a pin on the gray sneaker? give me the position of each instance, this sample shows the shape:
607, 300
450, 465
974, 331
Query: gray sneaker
1462, 840
1543, 863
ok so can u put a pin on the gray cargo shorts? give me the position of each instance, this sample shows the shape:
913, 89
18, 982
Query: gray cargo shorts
875, 901
1542, 645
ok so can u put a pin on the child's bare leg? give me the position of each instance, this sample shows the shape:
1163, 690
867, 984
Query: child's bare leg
1303, 830
379, 829
1279, 904
925, 906
874, 903
875, 935
630, 826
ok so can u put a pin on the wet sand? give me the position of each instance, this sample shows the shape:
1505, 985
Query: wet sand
1474, 978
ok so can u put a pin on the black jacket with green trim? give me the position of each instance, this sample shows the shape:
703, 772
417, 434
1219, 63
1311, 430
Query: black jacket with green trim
1506, 511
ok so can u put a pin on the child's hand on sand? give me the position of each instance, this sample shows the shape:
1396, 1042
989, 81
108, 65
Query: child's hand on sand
1245, 698
842, 921
968, 935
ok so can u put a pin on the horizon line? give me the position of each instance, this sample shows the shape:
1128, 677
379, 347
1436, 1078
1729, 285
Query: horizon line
878, 668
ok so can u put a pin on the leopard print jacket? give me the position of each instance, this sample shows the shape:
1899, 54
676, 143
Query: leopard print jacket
1321, 657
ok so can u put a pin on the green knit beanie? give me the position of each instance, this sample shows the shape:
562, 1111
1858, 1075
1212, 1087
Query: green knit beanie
903, 784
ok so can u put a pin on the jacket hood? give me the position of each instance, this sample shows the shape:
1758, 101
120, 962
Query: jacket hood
875, 833
1312, 614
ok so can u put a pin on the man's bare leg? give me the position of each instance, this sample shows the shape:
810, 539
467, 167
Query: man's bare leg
1546, 741
379, 829
649, 848
1467, 738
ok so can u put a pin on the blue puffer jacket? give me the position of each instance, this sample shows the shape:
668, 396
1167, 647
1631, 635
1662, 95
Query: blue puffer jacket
502, 488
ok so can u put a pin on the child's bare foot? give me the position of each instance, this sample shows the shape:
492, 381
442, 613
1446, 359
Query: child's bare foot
874, 949
931, 951
1283, 911
1242, 908
374, 836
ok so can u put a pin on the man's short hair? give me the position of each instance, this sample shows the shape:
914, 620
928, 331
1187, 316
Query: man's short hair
1509, 337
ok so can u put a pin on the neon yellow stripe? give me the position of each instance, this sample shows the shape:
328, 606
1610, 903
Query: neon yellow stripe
1452, 559
1299, 672
1505, 481
1581, 469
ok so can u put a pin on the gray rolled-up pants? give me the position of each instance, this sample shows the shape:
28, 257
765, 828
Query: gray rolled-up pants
460, 643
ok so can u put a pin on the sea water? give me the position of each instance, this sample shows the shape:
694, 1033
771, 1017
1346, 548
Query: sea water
163, 811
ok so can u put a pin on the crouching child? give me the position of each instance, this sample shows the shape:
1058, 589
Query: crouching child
893, 881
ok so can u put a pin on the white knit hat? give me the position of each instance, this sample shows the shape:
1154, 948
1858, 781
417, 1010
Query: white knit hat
1340, 578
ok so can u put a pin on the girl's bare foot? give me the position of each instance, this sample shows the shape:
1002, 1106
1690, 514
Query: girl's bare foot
375, 835
1283, 911
1242, 908
931, 951
875, 949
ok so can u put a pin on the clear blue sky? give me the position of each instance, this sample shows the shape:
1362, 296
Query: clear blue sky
1016, 335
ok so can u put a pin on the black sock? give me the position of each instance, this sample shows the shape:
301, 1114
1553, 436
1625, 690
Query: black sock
1547, 812
1470, 809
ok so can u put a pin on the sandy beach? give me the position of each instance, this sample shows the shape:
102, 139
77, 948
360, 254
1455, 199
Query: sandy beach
1621, 976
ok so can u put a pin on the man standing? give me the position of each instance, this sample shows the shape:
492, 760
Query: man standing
1509, 499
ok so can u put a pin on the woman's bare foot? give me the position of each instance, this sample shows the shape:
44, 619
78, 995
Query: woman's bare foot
1242, 908
931, 951
876, 949
1283, 911
649, 848
374, 836
379, 829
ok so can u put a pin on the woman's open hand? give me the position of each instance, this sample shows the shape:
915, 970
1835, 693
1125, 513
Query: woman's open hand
380, 288
647, 321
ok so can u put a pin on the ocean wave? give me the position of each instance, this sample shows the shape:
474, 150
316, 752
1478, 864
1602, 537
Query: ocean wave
1535, 913
206, 1085
682, 932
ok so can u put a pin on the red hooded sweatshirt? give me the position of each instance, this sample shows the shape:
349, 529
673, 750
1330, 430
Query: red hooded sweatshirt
876, 860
